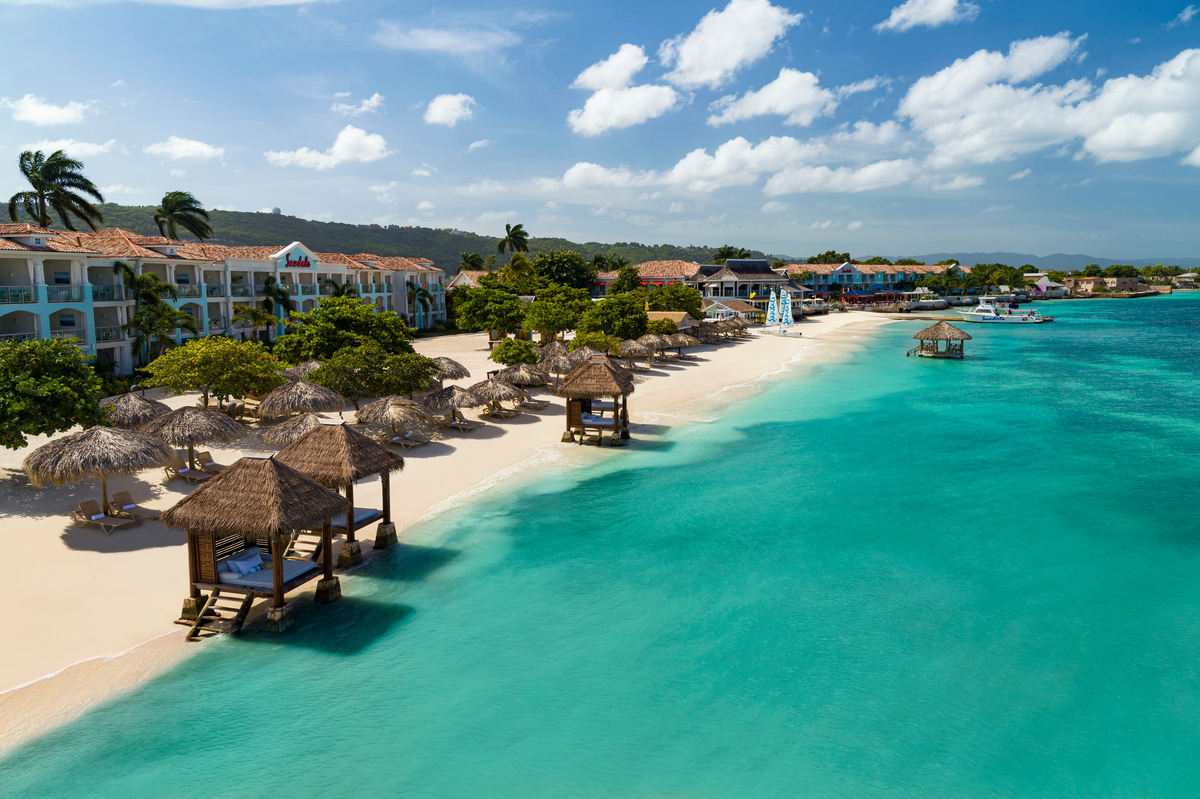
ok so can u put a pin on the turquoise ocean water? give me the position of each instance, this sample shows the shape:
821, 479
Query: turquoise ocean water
886, 576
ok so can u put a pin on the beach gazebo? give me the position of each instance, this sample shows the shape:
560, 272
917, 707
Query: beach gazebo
337, 456
931, 339
130, 411
188, 426
98, 452
594, 388
293, 429
299, 396
258, 501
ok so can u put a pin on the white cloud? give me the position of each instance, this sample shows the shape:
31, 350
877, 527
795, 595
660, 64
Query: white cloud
973, 111
676, 208
425, 205
930, 13
614, 104
737, 163
495, 218
1024, 173
641, 220
994, 208
341, 94
794, 95
176, 148
1184, 17
369, 105
853, 226
37, 111
958, 183
724, 42
478, 145
449, 109
424, 170
120, 188
382, 187
866, 133
843, 180
179, 173
484, 187
351, 144
116, 84
774, 207
828, 223
75, 149
448, 41
868, 85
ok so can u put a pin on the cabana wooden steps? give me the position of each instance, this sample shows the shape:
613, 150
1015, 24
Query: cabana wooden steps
210, 619
305, 545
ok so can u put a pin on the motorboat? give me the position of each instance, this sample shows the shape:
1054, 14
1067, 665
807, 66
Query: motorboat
1003, 310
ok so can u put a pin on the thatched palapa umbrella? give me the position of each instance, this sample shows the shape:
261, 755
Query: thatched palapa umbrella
337, 456
188, 426
393, 409
131, 411
631, 348
301, 371
583, 353
597, 378
256, 497
293, 429
449, 370
299, 395
523, 374
496, 391
452, 398
100, 452
555, 347
558, 364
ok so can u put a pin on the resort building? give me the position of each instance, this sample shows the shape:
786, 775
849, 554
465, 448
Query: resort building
880, 277
63, 284
682, 319
467, 278
750, 280
730, 309
1083, 286
1046, 289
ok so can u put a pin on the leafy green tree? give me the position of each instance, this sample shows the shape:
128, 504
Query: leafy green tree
490, 309
600, 262
148, 288
663, 327
578, 300
516, 239
254, 317
1056, 276
831, 257
1121, 270
675, 297
511, 351
405, 373
368, 370
217, 366
1092, 270
911, 262
617, 262
877, 260
57, 184
489, 263
1027, 268
778, 263
346, 289
471, 261
179, 209
628, 279
597, 341
724, 253
418, 294
908, 262
567, 268
549, 318
801, 277
47, 386
518, 270
275, 296
159, 324
337, 323
621, 316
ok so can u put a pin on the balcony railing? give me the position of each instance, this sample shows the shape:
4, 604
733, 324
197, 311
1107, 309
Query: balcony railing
291, 289
388, 288
190, 291
78, 335
215, 291
217, 323
326, 291
18, 336
308, 290
241, 291
111, 293
64, 293
110, 334
17, 294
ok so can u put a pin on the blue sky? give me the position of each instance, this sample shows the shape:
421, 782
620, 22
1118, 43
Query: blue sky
873, 127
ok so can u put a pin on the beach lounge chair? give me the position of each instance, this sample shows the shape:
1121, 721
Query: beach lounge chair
459, 422
127, 507
205, 463
407, 440
89, 513
532, 404
500, 412
179, 468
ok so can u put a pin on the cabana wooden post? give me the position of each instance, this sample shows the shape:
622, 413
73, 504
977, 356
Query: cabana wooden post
256, 500
587, 388
336, 456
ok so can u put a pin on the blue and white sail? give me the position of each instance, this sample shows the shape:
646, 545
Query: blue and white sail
772, 314
785, 309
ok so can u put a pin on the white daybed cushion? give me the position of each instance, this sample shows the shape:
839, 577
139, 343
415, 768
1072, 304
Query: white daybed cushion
266, 577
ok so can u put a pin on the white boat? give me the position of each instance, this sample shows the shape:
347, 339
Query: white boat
1003, 310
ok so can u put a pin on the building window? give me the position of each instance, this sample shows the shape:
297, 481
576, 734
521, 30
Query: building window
62, 278
66, 320
183, 280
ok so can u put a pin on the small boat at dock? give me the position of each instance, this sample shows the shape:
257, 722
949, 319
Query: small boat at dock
1003, 310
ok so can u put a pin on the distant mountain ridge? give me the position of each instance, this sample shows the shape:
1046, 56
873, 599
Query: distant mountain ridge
1057, 261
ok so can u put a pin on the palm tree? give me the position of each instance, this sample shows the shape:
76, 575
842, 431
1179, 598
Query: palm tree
275, 294
600, 261
724, 253
472, 261
58, 186
159, 323
418, 294
617, 262
517, 268
346, 289
255, 317
179, 209
148, 288
516, 239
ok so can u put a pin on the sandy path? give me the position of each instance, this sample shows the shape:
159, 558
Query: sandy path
81, 606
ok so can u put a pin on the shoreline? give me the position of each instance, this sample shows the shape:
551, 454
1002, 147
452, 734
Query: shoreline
81, 678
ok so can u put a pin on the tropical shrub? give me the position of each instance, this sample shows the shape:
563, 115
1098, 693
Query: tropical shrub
512, 351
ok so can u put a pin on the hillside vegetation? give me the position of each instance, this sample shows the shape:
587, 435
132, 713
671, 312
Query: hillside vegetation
440, 246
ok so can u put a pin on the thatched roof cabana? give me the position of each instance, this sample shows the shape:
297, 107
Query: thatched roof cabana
130, 411
99, 452
299, 396
581, 354
337, 456
293, 429
930, 338
596, 378
302, 370
255, 498
523, 374
587, 388
188, 426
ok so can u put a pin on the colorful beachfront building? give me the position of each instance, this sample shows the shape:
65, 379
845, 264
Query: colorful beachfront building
864, 276
750, 280
60, 284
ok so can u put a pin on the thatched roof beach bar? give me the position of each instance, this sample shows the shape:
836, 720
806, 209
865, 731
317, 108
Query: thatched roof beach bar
257, 501
593, 388
930, 338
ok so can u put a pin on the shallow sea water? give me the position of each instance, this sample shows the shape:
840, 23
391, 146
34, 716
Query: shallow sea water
885, 576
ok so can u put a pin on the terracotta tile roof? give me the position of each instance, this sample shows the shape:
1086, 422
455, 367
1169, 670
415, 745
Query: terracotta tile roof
651, 269
472, 276
740, 306
24, 229
53, 245
890, 269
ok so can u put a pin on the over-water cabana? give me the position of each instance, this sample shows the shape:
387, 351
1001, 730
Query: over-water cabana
930, 341
256, 505
593, 389
337, 456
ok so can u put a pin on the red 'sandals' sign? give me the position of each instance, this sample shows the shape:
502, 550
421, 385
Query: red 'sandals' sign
302, 261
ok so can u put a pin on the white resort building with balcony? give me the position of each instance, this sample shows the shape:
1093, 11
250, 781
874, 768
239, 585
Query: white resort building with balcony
63, 284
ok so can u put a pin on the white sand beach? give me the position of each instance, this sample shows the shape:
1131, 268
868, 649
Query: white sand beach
90, 616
